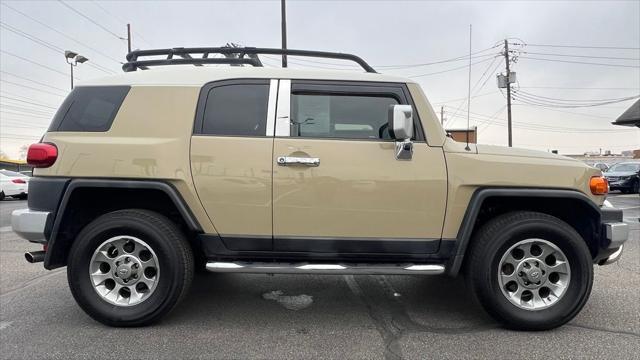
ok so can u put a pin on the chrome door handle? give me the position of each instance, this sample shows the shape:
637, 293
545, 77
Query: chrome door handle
293, 160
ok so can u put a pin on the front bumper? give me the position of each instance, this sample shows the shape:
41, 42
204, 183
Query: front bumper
30, 224
614, 232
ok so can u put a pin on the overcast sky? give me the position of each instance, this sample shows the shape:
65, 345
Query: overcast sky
384, 33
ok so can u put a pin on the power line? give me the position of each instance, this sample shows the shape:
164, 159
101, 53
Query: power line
120, 20
578, 88
546, 128
27, 115
35, 63
90, 19
60, 33
49, 45
566, 112
448, 70
26, 109
32, 88
27, 102
476, 84
550, 102
580, 62
581, 56
464, 98
21, 97
576, 100
34, 81
459, 58
582, 46
486, 123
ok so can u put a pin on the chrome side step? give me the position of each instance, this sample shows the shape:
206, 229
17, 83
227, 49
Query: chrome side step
313, 268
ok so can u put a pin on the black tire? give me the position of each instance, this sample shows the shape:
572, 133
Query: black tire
636, 187
164, 238
492, 241
2, 195
22, 197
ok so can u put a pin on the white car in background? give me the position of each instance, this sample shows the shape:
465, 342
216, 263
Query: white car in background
13, 184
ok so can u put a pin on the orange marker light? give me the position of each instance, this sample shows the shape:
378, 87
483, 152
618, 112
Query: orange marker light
599, 185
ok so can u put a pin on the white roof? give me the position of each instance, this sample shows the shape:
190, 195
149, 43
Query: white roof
198, 76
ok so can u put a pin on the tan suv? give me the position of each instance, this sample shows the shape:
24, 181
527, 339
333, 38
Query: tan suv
144, 177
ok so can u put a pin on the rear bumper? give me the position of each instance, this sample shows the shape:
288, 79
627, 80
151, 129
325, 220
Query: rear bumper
30, 224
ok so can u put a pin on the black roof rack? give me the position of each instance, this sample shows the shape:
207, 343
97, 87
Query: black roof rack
233, 56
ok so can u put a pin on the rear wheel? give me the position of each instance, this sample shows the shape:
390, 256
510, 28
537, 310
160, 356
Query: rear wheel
530, 271
129, 267
2, 195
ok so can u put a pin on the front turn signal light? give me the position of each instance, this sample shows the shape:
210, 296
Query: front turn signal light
599, 185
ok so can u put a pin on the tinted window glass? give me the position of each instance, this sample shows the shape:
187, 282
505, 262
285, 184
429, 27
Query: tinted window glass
239, 110
340, 116
89, 109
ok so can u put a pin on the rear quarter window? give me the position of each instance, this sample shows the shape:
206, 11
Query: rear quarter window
90, 109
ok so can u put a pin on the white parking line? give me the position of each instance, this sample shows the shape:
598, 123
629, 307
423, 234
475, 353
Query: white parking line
5, 229
5, 324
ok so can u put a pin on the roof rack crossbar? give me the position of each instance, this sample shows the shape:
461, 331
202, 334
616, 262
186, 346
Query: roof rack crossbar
186, 57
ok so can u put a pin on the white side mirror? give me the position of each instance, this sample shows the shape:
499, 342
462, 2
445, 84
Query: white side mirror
401, 122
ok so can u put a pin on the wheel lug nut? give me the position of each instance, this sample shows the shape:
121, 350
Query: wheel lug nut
520, 274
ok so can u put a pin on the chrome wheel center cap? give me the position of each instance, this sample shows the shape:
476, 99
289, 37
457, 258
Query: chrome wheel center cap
126, 271
531, 273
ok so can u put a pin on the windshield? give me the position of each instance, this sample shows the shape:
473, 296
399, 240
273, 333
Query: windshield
10, 173
628, 167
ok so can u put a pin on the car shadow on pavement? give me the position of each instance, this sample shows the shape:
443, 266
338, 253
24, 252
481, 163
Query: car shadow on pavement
393, 304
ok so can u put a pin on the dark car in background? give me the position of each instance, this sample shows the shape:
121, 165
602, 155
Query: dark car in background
624, 176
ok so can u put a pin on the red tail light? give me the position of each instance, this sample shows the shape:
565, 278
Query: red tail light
18, 181
42, 155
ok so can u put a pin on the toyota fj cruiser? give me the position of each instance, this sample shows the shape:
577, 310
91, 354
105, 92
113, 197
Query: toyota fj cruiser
144, 177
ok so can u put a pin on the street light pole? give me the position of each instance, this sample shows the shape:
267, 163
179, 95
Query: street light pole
70, 64
73, 59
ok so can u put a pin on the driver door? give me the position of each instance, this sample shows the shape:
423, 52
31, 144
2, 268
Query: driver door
337, 186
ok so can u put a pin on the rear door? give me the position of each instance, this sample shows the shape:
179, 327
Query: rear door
348, 193
231, 151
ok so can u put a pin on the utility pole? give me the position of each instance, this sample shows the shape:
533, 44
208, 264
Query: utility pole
284, 31
442, 115
128, 38
506, 60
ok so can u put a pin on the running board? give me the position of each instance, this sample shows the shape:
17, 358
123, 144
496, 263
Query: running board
313, 268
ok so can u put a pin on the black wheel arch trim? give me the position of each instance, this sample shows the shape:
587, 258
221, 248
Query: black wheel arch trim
475, 204
74, 184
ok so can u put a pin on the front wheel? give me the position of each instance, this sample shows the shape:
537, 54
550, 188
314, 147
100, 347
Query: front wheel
530, 271
129, 267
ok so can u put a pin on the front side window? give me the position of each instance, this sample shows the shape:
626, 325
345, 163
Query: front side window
340, 116
237, 110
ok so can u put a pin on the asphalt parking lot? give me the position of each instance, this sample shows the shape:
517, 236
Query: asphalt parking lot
369, 317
